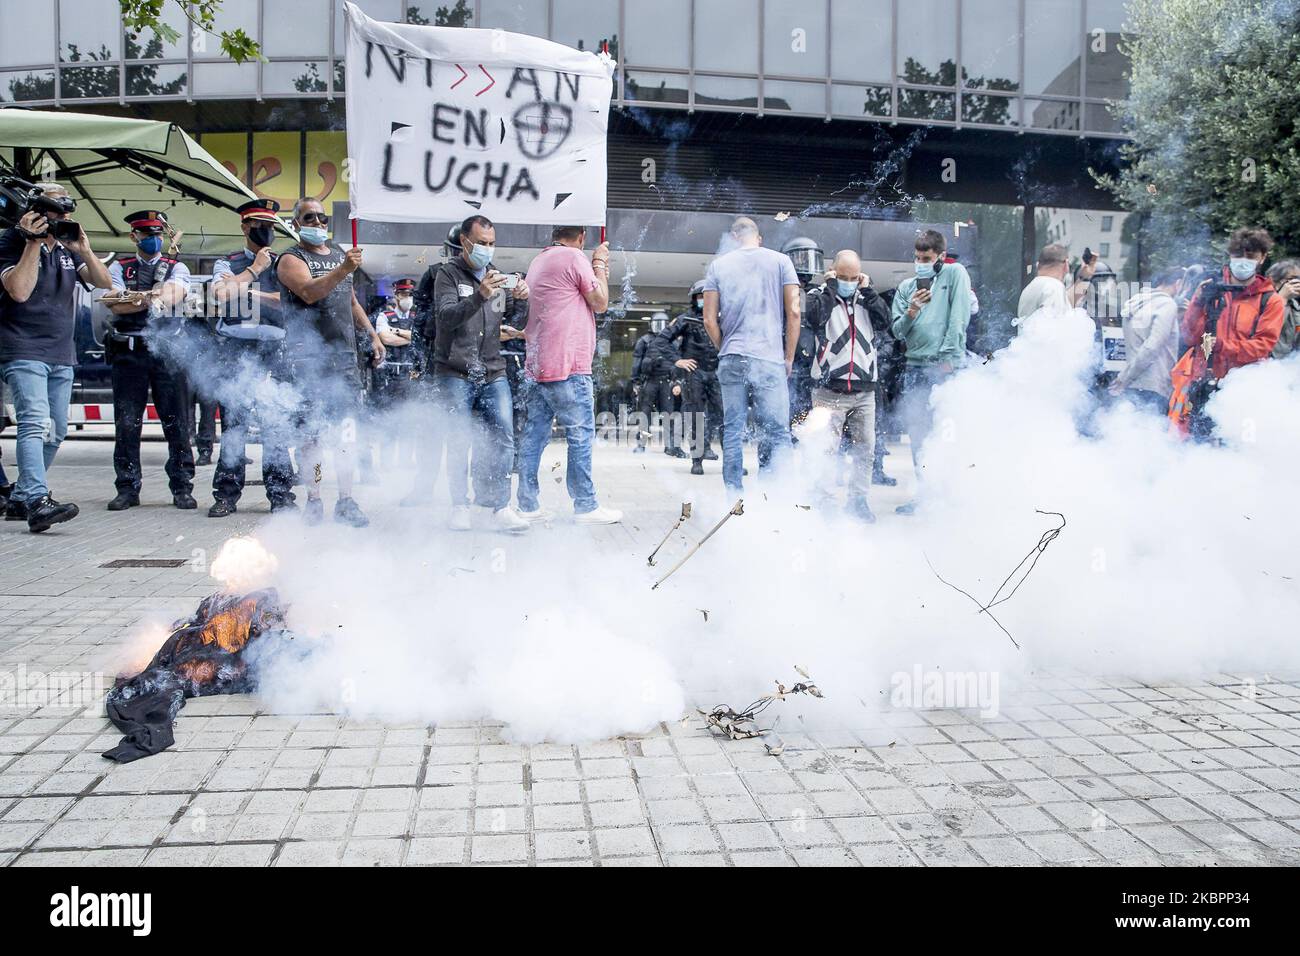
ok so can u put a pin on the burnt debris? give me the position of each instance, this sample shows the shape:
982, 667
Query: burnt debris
203, 655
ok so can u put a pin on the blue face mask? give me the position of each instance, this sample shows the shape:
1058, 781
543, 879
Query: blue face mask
1242, 269
846, 287
480, 256
150, 245
314, 235
925, 270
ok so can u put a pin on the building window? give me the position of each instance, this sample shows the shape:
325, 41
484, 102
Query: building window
656, 33
1107, 223
726, 36
1103, 249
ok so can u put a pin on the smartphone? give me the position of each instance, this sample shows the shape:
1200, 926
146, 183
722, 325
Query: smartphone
925, 283
512, 280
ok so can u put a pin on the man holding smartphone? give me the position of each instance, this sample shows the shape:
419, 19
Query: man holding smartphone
38, 276
475, 306
930, 313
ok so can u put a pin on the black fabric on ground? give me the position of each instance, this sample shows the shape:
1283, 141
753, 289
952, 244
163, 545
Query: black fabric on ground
204, 655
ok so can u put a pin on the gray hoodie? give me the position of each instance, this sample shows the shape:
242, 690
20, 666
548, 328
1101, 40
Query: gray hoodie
1150, 342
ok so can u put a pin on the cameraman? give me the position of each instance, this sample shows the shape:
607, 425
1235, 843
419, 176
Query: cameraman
1246, 312
37, 320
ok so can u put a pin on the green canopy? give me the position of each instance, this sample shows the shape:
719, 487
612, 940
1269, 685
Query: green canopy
114, 166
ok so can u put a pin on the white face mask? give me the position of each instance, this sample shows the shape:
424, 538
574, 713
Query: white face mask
405, 302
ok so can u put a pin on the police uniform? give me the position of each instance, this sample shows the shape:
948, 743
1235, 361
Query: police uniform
702, 393
393, 376
250, 336
135, 349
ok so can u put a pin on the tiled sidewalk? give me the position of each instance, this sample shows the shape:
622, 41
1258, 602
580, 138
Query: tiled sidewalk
1074, 771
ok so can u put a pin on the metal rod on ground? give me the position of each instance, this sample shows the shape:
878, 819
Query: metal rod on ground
737, 509
686, 513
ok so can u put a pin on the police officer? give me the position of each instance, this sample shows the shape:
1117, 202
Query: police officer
809, 265
654, 368
702, 399
250, 351
394, 378
150, 288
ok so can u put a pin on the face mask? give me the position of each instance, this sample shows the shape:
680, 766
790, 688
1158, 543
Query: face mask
699, 305
405, 302
313, 235
480, 256
846, 287
925, 270
150, 245
1242, 269
259, 235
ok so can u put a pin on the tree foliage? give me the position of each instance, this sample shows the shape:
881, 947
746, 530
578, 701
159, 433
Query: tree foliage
1215, 93
140, 15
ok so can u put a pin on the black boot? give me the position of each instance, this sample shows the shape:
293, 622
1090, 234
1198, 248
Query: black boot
205, 458
16, 510
710, 454
222, 508
674, 453
124, 500
184, 500
697, 467
45, 512
6, 492
880, 478
283, 504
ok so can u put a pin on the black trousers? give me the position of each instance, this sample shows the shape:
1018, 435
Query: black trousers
703, 405
135, 373
203, 428
277, 470
657, 396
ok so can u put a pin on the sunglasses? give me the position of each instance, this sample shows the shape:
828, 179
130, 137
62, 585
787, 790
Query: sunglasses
314, 218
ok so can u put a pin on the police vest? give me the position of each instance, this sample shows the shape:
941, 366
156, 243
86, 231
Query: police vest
398, 356
268, 313
137, 279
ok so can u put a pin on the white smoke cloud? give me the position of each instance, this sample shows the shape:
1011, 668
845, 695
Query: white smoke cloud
1176, 559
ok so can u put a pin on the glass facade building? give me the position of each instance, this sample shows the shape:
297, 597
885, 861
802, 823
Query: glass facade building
1048, 66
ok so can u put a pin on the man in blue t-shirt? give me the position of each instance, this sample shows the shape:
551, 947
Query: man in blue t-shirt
751, 304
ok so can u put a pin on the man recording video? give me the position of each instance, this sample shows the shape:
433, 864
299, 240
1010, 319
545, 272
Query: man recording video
38, 271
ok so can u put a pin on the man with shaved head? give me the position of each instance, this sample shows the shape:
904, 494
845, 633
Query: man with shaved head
851, 323
751, 296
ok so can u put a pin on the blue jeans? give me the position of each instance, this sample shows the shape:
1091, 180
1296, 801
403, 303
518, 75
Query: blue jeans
41, 394
483, 415
571, 403
737, 374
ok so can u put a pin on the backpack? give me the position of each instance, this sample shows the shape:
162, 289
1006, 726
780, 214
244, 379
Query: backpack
1189, 391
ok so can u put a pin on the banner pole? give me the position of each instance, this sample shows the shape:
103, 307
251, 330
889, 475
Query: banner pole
354, 232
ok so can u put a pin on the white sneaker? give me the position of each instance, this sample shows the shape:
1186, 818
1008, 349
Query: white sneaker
533, 517
460, 520
599, 516
506, 519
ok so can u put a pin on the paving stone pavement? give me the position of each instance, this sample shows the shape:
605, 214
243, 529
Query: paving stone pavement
1075, 770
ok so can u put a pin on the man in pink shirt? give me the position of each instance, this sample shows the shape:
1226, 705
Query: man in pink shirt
566, 291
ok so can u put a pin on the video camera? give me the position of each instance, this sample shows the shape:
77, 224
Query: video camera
19, 197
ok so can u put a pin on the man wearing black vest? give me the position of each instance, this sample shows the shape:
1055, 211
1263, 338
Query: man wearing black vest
250, 362
149, 289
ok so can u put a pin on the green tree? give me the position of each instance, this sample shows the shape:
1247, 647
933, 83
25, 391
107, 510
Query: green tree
141, 15
1211, 116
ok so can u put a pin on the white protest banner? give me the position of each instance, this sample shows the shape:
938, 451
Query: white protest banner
446, 121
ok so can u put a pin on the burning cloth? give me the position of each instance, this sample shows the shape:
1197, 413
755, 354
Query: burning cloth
204, 655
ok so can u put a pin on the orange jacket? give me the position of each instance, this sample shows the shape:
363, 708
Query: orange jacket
1243, 335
